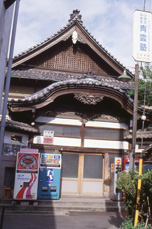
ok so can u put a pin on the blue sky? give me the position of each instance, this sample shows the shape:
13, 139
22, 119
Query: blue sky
109, 21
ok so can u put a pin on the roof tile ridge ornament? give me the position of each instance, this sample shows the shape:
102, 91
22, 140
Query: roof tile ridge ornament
90, 76
76, 16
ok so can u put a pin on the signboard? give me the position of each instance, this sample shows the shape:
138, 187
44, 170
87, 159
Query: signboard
50, 160
118, 161
26, 178
27, 162
48, 136
142, 36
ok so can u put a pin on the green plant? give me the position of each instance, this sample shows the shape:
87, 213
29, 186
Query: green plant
127, 183
146, 192
144, 87
129, 222
146, 178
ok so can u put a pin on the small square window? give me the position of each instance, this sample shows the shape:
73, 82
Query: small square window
16, 138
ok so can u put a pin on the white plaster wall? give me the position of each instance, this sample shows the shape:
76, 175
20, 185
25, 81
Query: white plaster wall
106, 125
59, 141
59, 121
75, 122
106, 144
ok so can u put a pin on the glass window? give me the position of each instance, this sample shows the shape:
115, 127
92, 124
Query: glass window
104, 133
147, 167
61, 130
93, 167
70, 165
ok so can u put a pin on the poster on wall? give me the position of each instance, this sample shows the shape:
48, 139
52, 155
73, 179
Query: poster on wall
26, 178
48, 136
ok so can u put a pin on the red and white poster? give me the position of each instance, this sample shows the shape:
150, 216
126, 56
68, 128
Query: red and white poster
26, 178
48, 136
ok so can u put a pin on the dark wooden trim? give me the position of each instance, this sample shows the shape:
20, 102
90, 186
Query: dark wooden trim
82, 134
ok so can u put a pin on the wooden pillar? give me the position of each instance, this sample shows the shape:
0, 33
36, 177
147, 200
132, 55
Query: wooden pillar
82, 133
106, 175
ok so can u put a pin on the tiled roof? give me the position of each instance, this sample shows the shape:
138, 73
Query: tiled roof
75, 18
82, 83
62, 76
72, 83
20, 126
140, 134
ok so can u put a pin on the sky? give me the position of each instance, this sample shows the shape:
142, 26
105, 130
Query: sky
110, 22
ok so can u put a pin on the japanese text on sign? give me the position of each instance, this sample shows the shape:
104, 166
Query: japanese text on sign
142, 36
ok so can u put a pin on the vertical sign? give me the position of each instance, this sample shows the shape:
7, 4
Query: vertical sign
48, 136
26, 177
142, 36
118, 168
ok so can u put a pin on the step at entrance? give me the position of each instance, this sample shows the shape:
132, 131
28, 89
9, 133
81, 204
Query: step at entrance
67, 206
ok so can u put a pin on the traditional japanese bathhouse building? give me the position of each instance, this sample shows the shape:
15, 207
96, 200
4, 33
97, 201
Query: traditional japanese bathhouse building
69, 85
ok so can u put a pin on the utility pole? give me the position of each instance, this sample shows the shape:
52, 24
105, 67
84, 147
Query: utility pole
8, 78
6, 15
135, 110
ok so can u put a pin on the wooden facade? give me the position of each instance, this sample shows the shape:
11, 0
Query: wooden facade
69, 84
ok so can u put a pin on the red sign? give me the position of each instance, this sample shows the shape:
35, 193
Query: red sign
118, 161
27, 161
48, 140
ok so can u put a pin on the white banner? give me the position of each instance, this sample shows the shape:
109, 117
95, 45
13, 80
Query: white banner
142, 36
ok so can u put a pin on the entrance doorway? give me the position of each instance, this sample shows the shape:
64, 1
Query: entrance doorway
82, 174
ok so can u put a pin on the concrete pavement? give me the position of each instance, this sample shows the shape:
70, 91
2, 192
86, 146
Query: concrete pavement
75, 220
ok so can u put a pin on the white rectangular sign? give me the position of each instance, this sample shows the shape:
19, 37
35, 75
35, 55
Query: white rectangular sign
48, 136
142, 36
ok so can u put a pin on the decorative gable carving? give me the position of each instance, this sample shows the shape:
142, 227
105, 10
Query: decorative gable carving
88, 99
